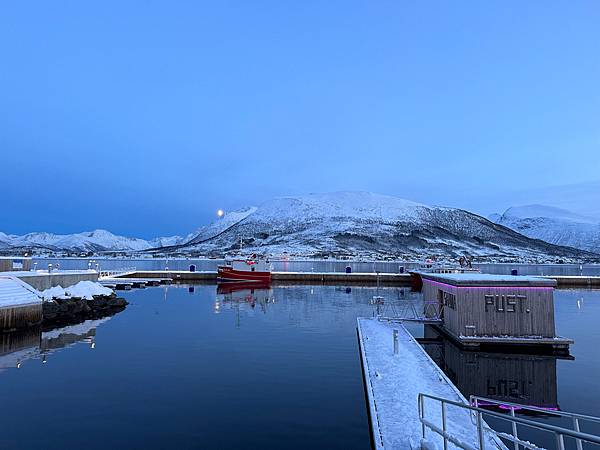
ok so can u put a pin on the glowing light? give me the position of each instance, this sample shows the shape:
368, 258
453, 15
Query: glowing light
220, 213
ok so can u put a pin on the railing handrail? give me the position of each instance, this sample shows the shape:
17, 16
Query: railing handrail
559, 431
109, 273
535, 408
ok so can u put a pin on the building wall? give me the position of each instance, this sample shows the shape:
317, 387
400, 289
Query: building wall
20, 316
41, 282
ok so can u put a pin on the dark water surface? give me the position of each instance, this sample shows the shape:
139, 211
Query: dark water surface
187, 367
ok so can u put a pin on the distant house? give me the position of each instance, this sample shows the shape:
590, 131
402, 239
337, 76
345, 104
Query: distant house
10, 264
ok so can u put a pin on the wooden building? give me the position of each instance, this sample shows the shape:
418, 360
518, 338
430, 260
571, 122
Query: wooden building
481, 309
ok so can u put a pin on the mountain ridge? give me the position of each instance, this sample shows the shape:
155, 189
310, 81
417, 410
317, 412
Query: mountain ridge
368, 224
553, 225
347, 223
88, 241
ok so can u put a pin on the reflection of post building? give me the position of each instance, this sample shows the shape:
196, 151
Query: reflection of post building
518, 378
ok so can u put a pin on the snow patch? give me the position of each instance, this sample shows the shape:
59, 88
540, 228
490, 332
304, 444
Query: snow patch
84, 289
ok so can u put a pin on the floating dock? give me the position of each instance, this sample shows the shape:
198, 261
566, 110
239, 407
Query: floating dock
389, 279
395, 372
131, 282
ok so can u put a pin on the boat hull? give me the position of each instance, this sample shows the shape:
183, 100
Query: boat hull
229, 274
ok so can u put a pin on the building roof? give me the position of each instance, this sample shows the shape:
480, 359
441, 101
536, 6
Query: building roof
14, 292
483, 279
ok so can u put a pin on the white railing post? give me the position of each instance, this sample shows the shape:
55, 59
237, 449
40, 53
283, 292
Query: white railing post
480, 431
576, 426
560, 441
444, 425
514, 427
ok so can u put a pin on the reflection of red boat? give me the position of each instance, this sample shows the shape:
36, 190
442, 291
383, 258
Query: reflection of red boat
245, 270
236, 286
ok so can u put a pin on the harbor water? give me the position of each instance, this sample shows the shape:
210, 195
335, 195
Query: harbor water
196, 367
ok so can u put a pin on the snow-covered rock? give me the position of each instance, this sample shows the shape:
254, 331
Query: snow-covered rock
84, 289
554, 225
363, 223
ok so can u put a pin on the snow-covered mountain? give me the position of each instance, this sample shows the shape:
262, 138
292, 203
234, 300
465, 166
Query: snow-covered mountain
362, 223
166, 241
89, 241
554, 225
224, 223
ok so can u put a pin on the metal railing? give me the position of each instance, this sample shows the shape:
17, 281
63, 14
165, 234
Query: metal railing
560, 433
576, 419
115, 272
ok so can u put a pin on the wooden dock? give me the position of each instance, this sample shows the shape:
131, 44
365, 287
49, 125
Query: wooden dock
389, 279
395, 371
402, 279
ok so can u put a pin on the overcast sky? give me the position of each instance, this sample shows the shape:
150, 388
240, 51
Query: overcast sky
145, 117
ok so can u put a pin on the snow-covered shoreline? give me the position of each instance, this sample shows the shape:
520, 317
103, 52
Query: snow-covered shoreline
85, 290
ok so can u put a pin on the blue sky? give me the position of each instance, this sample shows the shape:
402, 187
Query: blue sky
145, 117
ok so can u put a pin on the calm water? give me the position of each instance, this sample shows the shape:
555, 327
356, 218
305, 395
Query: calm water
189, 367
311, 265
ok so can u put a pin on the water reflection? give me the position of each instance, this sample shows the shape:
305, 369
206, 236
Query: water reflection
239, 296
510, 377
35, 344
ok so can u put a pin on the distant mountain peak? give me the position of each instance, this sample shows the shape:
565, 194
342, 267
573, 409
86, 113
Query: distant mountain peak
550, 212
554, 225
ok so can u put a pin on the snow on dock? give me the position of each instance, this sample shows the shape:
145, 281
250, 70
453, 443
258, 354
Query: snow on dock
393, 383
20, 304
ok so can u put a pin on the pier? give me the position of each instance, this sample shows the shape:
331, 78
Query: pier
390, 279
396, 370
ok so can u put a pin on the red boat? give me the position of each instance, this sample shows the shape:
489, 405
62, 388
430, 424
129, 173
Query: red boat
245, 270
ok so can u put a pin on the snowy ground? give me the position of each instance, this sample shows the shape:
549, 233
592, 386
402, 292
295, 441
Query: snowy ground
394, 383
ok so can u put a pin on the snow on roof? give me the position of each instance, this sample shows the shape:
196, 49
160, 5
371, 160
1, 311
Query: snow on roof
484, 279
14, 292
